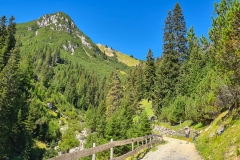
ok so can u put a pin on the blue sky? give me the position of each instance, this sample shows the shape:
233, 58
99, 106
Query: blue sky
129, 26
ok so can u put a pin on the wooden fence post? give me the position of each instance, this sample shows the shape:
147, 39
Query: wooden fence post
151, 141
132, 145
111, 151
94, 155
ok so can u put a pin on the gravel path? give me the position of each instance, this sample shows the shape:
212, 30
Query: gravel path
174, 149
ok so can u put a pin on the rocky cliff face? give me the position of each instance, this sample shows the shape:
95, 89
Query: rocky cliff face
57, 22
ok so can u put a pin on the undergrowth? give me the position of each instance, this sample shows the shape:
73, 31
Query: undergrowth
219, 147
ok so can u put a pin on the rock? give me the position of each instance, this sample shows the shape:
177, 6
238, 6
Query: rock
220, 130
65, 47
74, 149
50, 105
151, 118
168, 132
84, 42
70, 48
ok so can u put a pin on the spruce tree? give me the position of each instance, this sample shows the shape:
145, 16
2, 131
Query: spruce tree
149, 75
14, 135
179, 32
167, 68
15, 82
129, 91
3, 35
173, 56
7, 39
139, 69
101, 119
144, 126
190, 68
114, 95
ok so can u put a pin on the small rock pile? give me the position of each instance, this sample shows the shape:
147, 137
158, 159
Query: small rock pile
172, 133
169, 132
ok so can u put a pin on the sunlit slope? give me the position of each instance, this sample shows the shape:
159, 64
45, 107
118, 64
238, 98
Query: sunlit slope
121, 57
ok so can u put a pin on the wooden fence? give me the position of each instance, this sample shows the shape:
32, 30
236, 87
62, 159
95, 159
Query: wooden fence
146, 141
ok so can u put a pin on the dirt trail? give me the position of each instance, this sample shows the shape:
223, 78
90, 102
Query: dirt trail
174, 149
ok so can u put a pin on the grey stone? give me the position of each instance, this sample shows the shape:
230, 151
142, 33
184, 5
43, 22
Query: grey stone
220, 130
50, 105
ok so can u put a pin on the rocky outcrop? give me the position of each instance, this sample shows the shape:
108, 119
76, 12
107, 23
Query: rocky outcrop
220, 130
82, 140
83, 39
70, 47
61, 22
57, 22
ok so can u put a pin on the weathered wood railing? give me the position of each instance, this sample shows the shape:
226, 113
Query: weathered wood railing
149, 141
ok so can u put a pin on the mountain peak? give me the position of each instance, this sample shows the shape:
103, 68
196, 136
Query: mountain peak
58, 21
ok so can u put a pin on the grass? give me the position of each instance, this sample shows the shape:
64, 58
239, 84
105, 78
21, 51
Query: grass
219, 147
54, 114
147, 106
126, 59
40, 144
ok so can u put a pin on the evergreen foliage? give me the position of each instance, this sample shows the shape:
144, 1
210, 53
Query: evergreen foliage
225, 48
149, 75
15, 134
114, 95
174, 53
179, 32
49, 95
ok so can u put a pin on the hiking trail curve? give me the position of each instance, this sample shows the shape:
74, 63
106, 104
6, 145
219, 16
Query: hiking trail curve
174, 149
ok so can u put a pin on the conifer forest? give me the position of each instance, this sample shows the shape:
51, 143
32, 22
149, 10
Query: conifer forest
55, 83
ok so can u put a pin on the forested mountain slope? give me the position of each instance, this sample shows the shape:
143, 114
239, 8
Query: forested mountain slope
57, 36
55, 84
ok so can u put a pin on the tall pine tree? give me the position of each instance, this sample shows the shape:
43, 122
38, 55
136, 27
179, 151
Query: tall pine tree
174, 53
114, 95
179, 32
149, 75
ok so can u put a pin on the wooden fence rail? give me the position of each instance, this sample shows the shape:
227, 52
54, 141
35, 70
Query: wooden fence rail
149, 141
